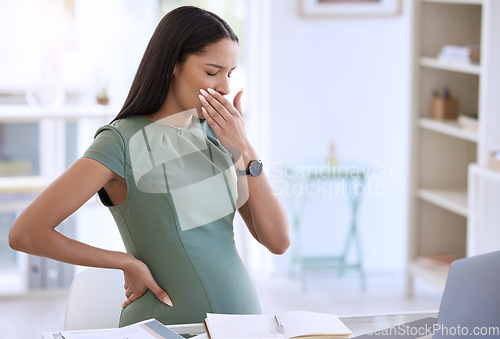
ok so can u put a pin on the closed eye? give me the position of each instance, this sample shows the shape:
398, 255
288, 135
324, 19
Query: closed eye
214, 74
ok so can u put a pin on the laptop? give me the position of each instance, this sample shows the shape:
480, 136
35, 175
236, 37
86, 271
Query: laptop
470, 306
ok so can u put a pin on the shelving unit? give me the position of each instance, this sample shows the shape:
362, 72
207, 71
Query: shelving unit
54, 127
452, 192
484, 218
451, 200
451, 128
446, 66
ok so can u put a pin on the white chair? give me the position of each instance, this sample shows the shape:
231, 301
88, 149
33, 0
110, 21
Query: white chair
95, 302
95, 299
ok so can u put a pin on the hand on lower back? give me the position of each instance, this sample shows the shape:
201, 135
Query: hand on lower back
138, 279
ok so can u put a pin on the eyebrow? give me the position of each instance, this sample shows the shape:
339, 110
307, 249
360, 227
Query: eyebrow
219, 66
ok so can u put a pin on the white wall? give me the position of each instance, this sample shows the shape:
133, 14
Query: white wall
345, 80
83, 45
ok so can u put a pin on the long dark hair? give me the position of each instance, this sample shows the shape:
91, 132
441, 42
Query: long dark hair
183, 31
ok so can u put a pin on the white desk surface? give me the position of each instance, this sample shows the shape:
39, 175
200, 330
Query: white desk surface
358, 324
180, 329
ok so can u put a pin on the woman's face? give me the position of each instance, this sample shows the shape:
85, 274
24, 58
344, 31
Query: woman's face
212, 69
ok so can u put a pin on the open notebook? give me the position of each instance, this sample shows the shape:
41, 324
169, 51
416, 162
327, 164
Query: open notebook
295, 324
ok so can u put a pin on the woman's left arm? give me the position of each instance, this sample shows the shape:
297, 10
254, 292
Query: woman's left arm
258, 205
262, 212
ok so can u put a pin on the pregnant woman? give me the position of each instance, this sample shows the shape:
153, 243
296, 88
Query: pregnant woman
173, 168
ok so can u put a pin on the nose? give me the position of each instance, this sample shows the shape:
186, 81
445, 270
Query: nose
222, 86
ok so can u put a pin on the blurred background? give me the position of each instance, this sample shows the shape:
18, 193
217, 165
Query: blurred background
320, 89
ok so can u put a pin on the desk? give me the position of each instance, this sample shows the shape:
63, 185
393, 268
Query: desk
192, 329
364, 324
358, 324
299, 179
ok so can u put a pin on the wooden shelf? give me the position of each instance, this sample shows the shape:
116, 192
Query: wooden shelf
451, 128
456, 2
30, 184
16, 205
451, 200
450, 66
434, 276
27, 113
17, 192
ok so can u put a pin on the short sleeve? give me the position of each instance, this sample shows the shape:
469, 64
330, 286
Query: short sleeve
108, 148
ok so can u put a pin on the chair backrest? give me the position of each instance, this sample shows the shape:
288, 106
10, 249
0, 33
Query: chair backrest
95, 299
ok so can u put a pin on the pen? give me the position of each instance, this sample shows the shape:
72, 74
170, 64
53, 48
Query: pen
279, 325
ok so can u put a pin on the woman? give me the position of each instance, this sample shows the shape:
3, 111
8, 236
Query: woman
172, 167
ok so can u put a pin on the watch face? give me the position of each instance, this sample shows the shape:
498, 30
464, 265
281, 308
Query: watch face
255, 167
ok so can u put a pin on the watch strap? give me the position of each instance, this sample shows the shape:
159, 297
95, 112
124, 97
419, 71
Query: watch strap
241, 173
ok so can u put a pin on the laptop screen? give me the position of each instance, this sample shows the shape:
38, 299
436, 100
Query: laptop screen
470, 307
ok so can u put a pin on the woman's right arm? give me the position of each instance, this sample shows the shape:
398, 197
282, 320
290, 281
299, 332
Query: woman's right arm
34, 231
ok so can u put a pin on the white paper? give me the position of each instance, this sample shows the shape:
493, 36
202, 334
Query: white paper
135, 331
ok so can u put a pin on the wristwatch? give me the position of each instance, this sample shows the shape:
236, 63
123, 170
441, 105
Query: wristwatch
254, 169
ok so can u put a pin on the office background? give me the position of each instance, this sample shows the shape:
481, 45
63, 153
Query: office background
310, 82
347, 82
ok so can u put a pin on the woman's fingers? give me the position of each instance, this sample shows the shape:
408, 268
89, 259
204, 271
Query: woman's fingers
131, 296
211, 121
220, 110
237, 101
130, 299
222, 100
210, 110
138, 279
161, 294
224, 118
220, 115
219, 104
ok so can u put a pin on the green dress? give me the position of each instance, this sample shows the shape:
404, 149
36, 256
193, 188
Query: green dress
177, 217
